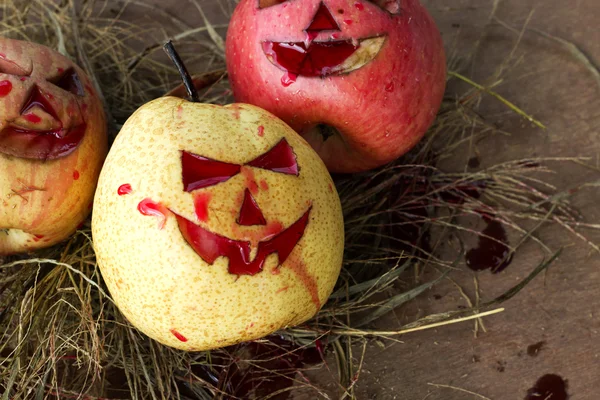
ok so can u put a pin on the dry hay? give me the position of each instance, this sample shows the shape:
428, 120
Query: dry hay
61, 335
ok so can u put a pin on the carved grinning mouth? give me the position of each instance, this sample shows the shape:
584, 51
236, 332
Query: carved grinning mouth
322, 58
210, 246
313, 58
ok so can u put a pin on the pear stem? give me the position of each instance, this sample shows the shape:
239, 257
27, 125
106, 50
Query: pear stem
185, 75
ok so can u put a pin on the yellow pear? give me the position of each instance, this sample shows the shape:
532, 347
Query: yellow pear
214, 225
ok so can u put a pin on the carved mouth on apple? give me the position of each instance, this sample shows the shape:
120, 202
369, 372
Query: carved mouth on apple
38, 133
210, 246
322, 58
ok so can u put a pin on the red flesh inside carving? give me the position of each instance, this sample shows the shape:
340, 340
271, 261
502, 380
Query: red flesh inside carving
25, 142
250, 213
199, 172
210, 246
314, 58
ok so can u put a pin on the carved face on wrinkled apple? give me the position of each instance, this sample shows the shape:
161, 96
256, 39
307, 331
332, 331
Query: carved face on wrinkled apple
360, 80
214, 225
52, 145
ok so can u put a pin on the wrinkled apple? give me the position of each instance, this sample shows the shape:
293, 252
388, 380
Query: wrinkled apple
360, 80
52, 145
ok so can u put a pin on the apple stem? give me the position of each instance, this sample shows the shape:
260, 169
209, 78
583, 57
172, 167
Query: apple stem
183, 72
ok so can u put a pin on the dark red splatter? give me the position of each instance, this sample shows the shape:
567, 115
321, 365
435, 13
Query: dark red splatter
250, 213
201, 201
124, 189
492, 250
549, 387
264, 185
178, 335
250, 180
199, 172
75, 175
534, 349
348, 21
359, 6
5, 88
323, 20
210, 246
276, 364
280, 158
261, 131
151, 208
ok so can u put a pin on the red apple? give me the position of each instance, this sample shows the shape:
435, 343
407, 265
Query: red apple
52, 145
360, 80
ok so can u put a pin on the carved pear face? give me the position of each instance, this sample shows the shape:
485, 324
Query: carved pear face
221, 219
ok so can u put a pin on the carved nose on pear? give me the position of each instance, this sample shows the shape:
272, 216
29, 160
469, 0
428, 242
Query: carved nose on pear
250, 213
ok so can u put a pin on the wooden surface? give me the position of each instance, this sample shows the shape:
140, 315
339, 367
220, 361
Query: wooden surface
559, 308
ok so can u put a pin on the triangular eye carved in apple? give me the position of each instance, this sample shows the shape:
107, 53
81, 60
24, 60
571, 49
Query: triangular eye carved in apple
323, 20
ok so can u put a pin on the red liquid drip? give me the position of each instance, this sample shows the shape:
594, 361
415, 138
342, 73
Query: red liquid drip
40, 145
199, 172
323, 20
153, 209
250, 213
70, 82
210, 246
389, 87
549, 387
124, 189
201, 201
317, 59
261, 131
5, 88
280, 158
178, 335
75, 175
35, 119
359, 6
36, 238
348, 21
492, 252
288, 78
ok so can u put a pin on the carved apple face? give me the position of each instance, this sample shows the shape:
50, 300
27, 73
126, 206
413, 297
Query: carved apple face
221, 220
360, 80
44, 103
52, 145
